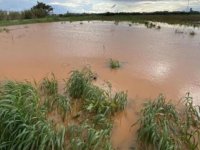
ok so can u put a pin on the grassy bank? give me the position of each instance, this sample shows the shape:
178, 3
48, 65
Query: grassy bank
181, 19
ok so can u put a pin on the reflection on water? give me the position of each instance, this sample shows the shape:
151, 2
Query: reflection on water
154, 61
159, 70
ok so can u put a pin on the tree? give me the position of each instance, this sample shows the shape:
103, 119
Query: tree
42, 6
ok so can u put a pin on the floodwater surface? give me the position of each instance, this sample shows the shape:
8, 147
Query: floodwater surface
153, 61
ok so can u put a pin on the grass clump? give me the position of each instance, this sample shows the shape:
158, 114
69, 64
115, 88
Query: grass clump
157, 125
88, 137
50, 85
103, 102
162, 126
151, 25
114, 64
22, 124
78, 81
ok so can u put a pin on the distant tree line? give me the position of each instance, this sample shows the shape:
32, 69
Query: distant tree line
40, 10
131, 13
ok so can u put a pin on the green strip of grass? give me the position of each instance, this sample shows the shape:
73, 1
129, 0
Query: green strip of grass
181, 19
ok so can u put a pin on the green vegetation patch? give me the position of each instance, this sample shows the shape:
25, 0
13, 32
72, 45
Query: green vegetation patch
22, 123
40, 117
114, 64
163, 126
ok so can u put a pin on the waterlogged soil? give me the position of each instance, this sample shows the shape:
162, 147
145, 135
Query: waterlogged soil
153, 61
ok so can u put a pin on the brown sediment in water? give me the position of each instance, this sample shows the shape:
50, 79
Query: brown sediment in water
153, 61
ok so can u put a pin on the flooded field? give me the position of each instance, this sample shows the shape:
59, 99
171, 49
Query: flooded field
153, 61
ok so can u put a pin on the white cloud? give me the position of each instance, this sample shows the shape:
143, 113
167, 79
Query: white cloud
99, 6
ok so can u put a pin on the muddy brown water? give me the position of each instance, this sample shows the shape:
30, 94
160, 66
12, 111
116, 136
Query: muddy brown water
153, 61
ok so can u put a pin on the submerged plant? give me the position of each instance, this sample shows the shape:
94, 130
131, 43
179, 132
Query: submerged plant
179, 31
158, 27
4, 30
150, 25
114, 64
192, 33
116, 22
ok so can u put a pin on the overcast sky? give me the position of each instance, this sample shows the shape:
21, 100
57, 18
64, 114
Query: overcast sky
98, 6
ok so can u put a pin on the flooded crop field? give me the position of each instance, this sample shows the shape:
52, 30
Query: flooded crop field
153, 61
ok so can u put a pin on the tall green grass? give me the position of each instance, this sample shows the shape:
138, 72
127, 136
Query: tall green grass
22, 123
49, 85
25, 114
162, 126
87, 137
